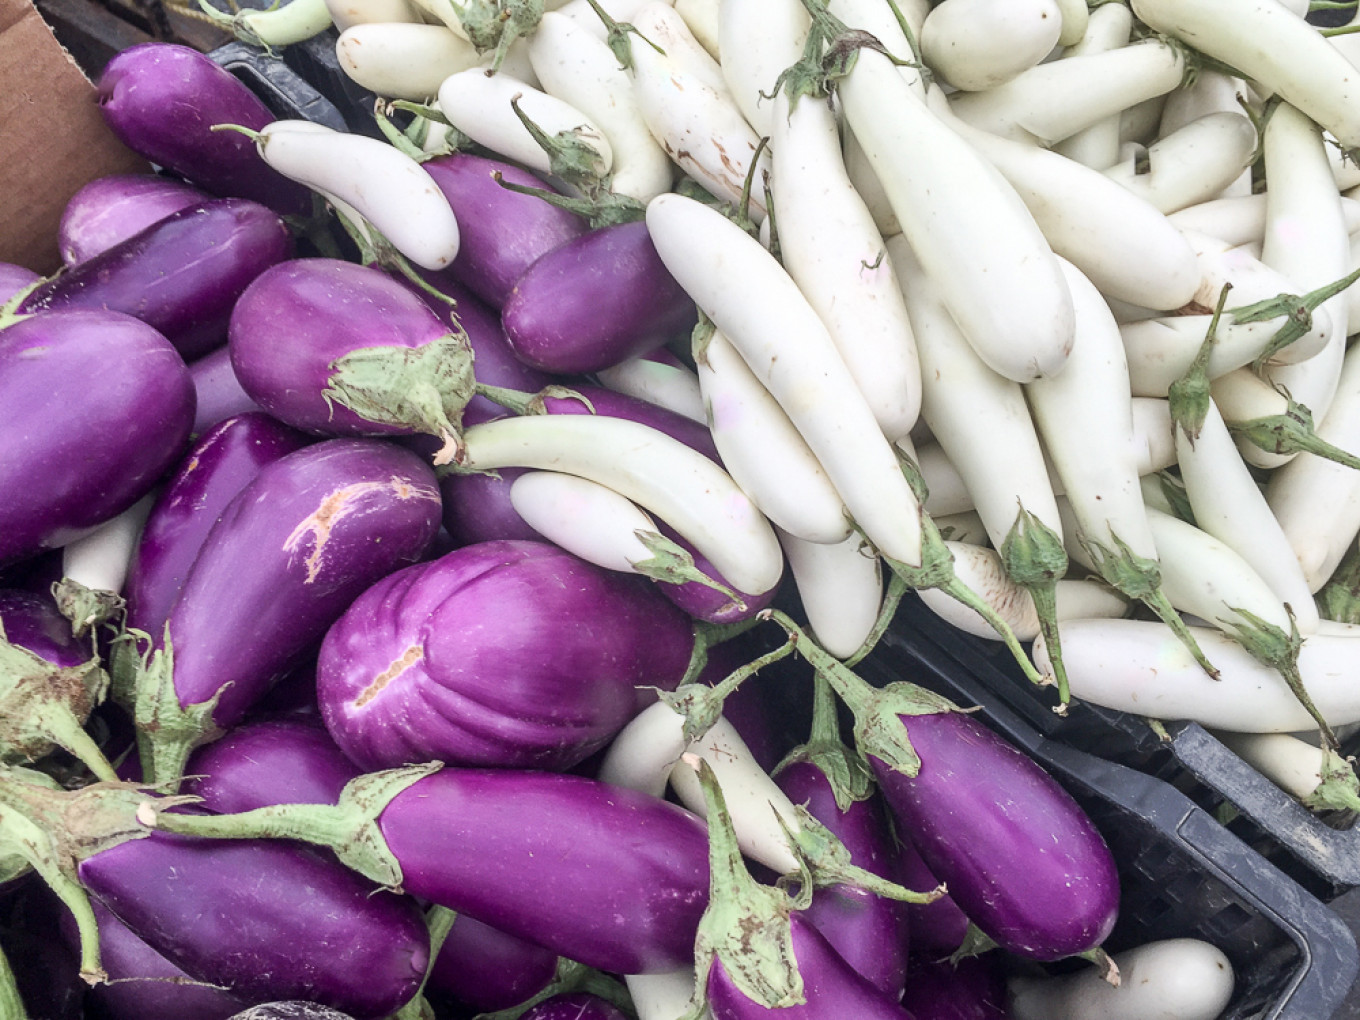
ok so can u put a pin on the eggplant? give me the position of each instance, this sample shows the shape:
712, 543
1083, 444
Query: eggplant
110, 209
342, 349
506, 654
215, 469
97, 406
502, 232
704, 602
182, 274
288, 555
595, 301
938, 927
574, 1006
13, 279
869, 932
162, 100
1017, 853
610, 877
219, 392
143, 984
267, 919
293, 761
972, 989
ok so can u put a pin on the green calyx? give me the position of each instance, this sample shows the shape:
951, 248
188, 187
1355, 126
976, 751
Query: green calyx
492, 25
1269, 645
520, 402
616, 36
1339, 788
1140, 577
1189, 395
826, 861
43, 706
570, 977
86, 607
1339, 598
349, 828
423, 388
848, 775
1297, 311
671, 564
1290, 433
167, 731
571, 157
1033, 557
975, 943
598, 206
746, 927
700, 705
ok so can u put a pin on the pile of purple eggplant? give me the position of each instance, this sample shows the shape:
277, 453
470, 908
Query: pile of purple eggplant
373, 643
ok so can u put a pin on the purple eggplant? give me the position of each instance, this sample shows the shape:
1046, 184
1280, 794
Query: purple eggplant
266, 919
508, 654
143, 984
937, 928
1016, 852
182, 275
574, 1006
32, 621
162, 101
98, 405
972, 989
612, 878
289, 554
215, 469
109, 210
502, 232
594, 302
219, 391
293, 761
869, 932
14, 279
342, 349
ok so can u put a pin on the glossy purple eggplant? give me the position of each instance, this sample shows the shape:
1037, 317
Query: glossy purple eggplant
162, 101
503, 654
143, 984
972, 989
219, 391
595, 301
182, 275
502, 232
14, 279
110, 209
1016, 852
289, 554
574, 1006
267, 919
337, 348
31, 620
215, 469
294, 761
609, 877
869, 932
937, 928
97, 406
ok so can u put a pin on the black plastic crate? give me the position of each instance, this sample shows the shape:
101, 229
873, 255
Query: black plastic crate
1182, 874
1321, 852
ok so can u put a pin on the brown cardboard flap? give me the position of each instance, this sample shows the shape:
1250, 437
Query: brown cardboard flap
52, 137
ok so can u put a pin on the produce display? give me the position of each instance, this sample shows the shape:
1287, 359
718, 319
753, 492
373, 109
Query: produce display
451, 571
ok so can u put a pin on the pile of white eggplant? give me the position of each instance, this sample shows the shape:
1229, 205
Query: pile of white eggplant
987, 249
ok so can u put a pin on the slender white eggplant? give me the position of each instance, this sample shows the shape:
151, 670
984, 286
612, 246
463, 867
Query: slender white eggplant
1318, 777
1239, 219
95, 566
841, 588
348, 13
1191, 164
832, 249
399, 60
681, 487
762, 449
1097, 146
281, 25
702, 19
976, 45
661, 382
388, 188
759, 40
572, 64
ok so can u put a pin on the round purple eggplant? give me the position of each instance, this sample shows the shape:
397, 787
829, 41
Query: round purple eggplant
594, 302
143, 984
266, 919
95, 407
1016, 852
182, 275
609, 877
502, 232
14, 279
337, 348
504, 654
574, 1006
162, 100
109, 210
288, 555
869, 932
972, 989
219, 391
215, 469
485, 969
